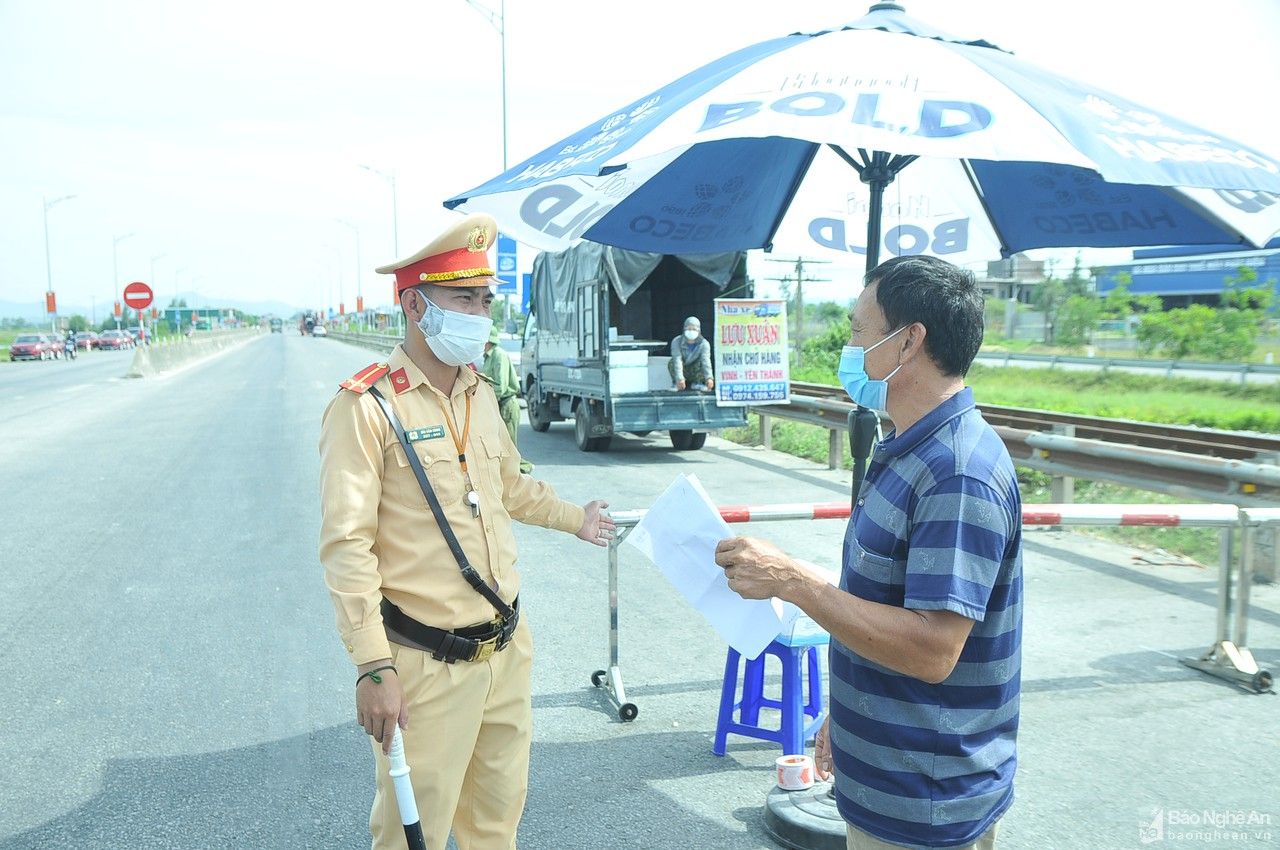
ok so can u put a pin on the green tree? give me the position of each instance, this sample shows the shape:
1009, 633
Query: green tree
1076, 319
822, 352
1119, 303
825, 312
1228, 332
1049, 299
1053, 295
77, 324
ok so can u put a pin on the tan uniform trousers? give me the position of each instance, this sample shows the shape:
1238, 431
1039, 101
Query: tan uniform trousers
859, 840
467, 745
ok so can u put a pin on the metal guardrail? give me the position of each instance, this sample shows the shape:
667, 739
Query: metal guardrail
377, 342
1166, 366
1212, 442
1197, 475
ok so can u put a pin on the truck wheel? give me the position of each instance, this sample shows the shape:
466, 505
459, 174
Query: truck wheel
688, 440
582, 434
539, 419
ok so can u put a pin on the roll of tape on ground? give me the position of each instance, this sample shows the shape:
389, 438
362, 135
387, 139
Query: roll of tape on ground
795, 773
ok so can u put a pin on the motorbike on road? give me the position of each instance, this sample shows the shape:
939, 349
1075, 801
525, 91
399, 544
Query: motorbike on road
69, 347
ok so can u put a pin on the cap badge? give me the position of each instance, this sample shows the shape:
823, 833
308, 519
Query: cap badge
476, 239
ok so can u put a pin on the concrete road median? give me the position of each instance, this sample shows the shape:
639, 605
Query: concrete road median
176, 353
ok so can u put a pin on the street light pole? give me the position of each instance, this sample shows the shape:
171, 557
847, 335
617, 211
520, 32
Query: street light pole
337, 252
502, 37
498, 20
177, 311
48, 264
115, 271
395, 207
359, 268
395, 216
155, 284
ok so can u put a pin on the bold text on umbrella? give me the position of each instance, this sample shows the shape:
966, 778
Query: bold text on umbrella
937, 118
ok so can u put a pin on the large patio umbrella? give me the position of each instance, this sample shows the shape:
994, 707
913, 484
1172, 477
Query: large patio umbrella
981, 153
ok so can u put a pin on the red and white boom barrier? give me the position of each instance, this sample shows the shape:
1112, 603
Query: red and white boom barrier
1226, 658
1161, 516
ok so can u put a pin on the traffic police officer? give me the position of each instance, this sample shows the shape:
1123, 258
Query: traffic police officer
430, 653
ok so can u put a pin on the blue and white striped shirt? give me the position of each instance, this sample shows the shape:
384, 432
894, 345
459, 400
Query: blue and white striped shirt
937, 527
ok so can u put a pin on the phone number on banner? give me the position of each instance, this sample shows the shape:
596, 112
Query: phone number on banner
768, 391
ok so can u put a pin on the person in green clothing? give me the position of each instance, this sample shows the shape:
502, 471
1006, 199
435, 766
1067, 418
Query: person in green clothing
497, 366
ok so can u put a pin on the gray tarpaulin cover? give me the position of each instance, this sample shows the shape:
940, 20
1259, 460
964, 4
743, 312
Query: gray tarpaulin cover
555, 276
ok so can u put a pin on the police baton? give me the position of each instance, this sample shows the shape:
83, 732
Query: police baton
404, 793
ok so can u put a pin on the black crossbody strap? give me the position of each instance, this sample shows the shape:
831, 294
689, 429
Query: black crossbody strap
468, 572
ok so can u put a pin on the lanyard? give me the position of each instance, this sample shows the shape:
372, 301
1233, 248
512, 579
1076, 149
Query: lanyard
472, 498
460, 445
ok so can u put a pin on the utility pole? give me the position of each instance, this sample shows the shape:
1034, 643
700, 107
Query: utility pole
359, 267
115, 272
498, 20
800, 280
395, 221
155, 285
48, 264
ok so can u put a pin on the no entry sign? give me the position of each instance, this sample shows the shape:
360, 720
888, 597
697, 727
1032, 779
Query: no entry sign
138, 295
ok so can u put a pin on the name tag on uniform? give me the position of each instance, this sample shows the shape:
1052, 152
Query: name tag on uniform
435, 432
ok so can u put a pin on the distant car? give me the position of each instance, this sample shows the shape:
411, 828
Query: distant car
277, 326
115, 340
319, 330
31, 347
88, 340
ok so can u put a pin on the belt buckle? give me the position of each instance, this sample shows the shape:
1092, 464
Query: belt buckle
486, 649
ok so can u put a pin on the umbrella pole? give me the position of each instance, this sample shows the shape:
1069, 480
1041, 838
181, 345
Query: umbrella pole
404, 794
877, 174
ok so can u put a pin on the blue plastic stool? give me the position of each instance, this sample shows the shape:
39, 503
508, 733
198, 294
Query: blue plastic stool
798, 652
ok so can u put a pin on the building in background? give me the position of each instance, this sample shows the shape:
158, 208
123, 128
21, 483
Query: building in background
1016, 277
1192, 274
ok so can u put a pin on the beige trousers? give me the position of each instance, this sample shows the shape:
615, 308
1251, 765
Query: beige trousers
859, 840
467, 746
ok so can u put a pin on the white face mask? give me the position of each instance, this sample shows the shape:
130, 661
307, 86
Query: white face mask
456, 338
691, 335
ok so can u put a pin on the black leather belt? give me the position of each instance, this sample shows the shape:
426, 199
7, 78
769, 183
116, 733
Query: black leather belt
473, 643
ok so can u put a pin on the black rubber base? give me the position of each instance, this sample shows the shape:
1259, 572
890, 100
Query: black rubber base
805, 820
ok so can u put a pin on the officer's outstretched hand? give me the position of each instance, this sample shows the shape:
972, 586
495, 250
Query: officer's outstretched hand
597, 528
380, 705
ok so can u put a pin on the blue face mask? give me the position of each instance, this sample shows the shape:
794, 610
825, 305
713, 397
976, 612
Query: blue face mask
873, 395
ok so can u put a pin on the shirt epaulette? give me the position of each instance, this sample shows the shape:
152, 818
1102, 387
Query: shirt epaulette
365, 378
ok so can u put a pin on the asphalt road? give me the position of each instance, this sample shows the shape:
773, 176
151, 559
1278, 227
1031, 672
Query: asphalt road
39, 386
172, 677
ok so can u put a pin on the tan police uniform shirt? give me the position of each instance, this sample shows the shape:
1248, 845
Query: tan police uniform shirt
378, 536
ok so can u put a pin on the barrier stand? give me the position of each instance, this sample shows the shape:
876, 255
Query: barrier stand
1229, 657
1226, 659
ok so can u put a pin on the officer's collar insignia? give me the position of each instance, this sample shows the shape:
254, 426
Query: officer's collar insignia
400, 380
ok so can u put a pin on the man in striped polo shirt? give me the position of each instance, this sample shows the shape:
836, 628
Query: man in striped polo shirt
927, 624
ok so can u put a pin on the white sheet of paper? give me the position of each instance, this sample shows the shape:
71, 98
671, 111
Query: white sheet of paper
679, 534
